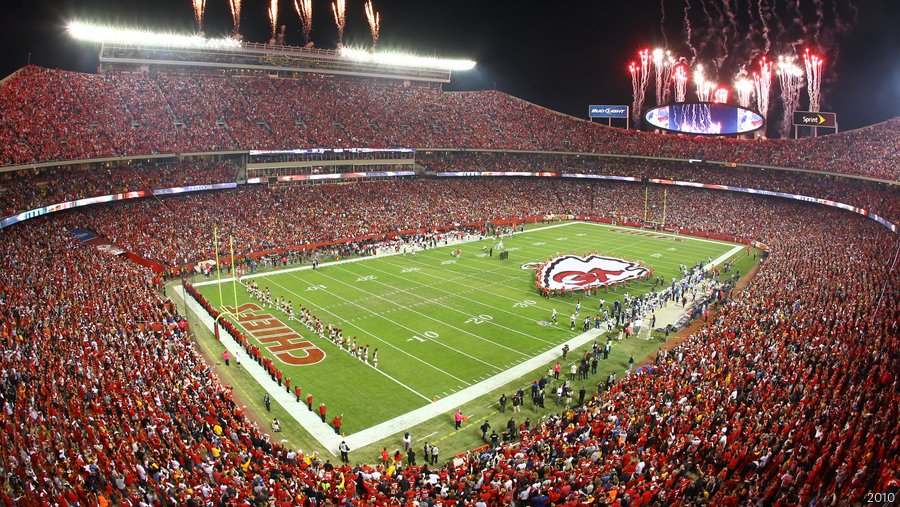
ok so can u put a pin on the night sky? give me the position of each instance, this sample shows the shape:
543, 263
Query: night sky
564, 56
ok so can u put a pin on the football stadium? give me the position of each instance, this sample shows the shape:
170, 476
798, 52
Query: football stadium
252, 269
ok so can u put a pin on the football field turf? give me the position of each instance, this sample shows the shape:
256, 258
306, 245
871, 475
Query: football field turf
443, 323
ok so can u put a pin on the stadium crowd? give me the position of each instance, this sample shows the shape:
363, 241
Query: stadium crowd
789, 396
30, 188
48, 115
176, 231
873, 196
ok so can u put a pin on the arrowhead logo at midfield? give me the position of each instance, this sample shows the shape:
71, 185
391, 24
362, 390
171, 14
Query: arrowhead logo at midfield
576, 272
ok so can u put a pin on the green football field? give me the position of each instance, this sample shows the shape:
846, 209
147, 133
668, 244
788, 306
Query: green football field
443, 323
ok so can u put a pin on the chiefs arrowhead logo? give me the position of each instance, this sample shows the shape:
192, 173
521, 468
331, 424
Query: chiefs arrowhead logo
576, 272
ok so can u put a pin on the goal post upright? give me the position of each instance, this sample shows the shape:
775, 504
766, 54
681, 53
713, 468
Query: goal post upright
665, 197
646, 202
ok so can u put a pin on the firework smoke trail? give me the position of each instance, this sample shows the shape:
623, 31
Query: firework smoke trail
199, 8
765, 27
711, 33
791, 79
680, 79
235, 6
779, 24
744, 89
688, 30
662, 22
374, 19
813, 66
820, 17
304, 10
273, 16
732, 25
339, 8
798, 18
717, 32
763, 84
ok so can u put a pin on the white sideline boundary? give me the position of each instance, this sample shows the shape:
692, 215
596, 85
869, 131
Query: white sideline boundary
324, 434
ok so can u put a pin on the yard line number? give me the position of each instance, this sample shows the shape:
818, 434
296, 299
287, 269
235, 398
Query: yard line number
479, 319
427, 334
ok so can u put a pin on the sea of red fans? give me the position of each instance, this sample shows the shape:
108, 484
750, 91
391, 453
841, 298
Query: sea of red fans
48, 115
30, 188
179, 230
872, 196
788, 397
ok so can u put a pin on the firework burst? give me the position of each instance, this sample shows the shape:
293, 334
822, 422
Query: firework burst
304, 10
639, 78
235, 6
721, 95
813, 64
744, 89
704, 88
662, 65
790, 76
339, 8
680, 78
199, 9
374, 19
763, 84
273, 16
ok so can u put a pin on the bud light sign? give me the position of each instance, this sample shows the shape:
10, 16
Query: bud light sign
608, 111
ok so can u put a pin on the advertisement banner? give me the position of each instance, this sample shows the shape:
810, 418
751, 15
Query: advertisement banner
469, 174
815, 119
605, 111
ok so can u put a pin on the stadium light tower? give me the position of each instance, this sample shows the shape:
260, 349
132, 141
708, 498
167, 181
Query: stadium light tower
131, 37
110, 35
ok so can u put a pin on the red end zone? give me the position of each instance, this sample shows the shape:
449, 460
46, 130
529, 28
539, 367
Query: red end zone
284, 343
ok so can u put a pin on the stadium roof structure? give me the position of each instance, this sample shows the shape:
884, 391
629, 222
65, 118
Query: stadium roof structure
145, 49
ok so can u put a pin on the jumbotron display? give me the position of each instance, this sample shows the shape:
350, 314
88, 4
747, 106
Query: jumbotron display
705, 118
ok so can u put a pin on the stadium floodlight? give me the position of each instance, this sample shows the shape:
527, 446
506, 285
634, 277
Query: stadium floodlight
405, 60
111, 35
